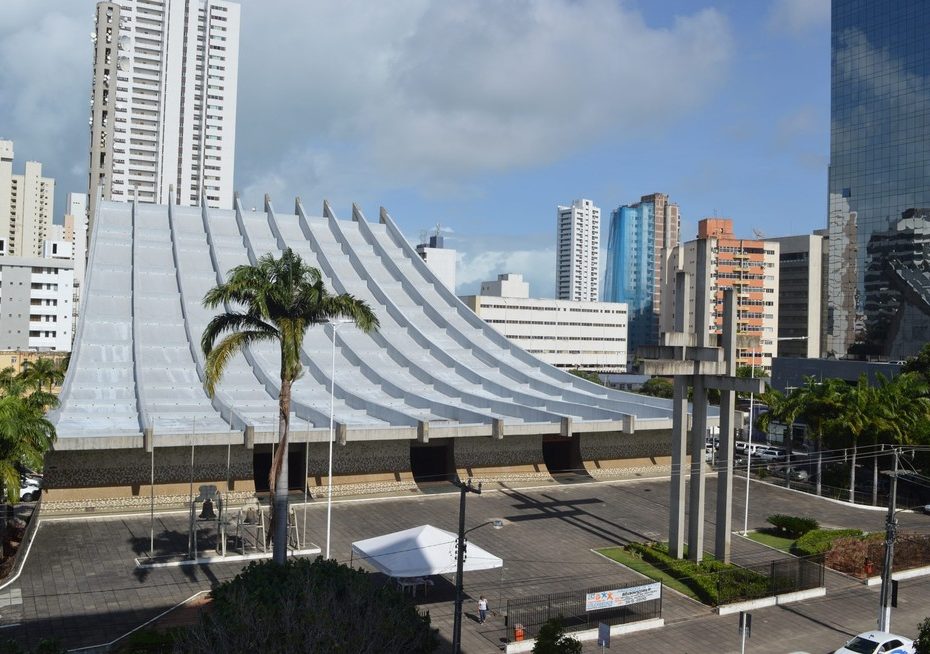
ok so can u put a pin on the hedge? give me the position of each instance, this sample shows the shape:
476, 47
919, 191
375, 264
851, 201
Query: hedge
793, 526
819, 541
714, 582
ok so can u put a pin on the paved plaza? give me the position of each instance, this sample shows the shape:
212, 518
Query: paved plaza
80, 582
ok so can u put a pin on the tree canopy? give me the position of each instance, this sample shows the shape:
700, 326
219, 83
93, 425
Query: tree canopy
310, 607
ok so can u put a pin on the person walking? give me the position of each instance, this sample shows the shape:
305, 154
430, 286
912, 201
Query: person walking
482, 609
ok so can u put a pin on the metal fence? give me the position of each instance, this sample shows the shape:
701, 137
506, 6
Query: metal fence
771, 578
532, 612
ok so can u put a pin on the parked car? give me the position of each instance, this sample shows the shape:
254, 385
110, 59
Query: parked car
796, 474
877, 642
927, 509
770, 453
29, 489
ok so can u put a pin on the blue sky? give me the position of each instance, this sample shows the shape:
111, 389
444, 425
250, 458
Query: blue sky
483, 116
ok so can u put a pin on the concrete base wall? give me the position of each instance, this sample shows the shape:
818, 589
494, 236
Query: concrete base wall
512, 458
615, 454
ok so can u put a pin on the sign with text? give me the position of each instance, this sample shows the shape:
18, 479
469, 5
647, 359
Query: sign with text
608, 599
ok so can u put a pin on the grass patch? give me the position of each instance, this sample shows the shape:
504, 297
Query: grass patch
766, 537
636, 564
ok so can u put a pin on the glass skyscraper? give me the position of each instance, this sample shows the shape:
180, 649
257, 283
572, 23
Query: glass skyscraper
639, 241
879, 181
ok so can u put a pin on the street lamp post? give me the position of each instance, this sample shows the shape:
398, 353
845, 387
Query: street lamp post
464, 489
891, 526
332, 400
752, 396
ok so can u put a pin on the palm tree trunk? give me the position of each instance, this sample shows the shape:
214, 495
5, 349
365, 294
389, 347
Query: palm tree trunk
279, 477
819, 463
852, 474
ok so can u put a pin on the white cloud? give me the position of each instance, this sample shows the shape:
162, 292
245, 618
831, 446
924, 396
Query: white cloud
348, 98
431, 93
798, 16
479, 260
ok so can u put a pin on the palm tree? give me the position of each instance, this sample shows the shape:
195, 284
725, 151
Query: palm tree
43, 371
280, 300
858, 409
25, 436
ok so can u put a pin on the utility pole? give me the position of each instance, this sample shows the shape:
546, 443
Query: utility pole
464, 489
891, 525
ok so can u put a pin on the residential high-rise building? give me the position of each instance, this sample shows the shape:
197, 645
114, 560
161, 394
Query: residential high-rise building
639, 241
879, 154
27, 203
163, 104
578, 252
35, 298
750, 267
586, 335
800, 284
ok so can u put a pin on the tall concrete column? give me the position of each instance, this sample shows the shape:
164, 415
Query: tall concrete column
676, 514
726, 451
698, 476
699, 410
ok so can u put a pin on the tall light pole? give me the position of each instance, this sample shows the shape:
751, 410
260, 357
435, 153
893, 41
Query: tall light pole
332, 401
891, 527
464, 488
752, 396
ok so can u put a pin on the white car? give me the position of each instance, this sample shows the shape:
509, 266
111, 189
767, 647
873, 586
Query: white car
878, 642
30, 489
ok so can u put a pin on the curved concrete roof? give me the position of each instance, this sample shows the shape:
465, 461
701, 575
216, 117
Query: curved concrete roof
432, 369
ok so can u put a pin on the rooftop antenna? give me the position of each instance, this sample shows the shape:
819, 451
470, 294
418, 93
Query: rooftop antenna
758, 233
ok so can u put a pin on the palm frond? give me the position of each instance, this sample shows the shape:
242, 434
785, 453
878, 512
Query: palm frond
219, 356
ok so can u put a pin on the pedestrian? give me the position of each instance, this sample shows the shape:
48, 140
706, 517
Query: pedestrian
482, 609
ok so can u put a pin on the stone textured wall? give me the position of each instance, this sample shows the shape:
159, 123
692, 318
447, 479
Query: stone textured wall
617, 445
491, 452
360, 457
81, 469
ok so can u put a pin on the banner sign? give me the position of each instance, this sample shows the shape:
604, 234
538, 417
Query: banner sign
608, 599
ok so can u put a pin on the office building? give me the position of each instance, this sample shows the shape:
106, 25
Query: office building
639, 242
750, 267
27, 203
567, 334
800, 287
879, 152
163, 103
35, 303
439, 259
578, 252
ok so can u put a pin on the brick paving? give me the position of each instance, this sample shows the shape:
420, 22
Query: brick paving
80, 583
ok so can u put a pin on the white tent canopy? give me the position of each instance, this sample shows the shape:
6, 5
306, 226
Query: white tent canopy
420, 552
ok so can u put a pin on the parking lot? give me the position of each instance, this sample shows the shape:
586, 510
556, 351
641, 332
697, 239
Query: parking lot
80, 582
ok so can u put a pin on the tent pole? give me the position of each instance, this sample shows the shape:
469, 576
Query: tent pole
306, 484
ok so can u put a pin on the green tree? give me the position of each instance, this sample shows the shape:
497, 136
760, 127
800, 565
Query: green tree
922, 642
43, 371
280, 299
552, 640
25, 436
658, 387
309, 607
919, 363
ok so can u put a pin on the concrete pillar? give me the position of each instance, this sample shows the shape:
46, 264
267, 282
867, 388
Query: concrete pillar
699, 411
697, 478
726, 452
676, 513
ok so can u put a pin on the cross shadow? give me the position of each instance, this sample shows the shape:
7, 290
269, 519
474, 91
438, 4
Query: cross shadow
569, 511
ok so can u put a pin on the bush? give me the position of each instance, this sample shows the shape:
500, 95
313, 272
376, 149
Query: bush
714, 582
308, 607
819, 541
552, 639
922, 642
792, 526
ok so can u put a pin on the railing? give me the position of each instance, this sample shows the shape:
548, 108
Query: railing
772, 578
532, 612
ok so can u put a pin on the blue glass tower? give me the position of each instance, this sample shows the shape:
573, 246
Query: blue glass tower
639, 239
879, 180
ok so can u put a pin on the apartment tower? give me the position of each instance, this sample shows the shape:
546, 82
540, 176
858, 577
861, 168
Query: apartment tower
750, 267
639, 242
27, 203
578, 252
163, 102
